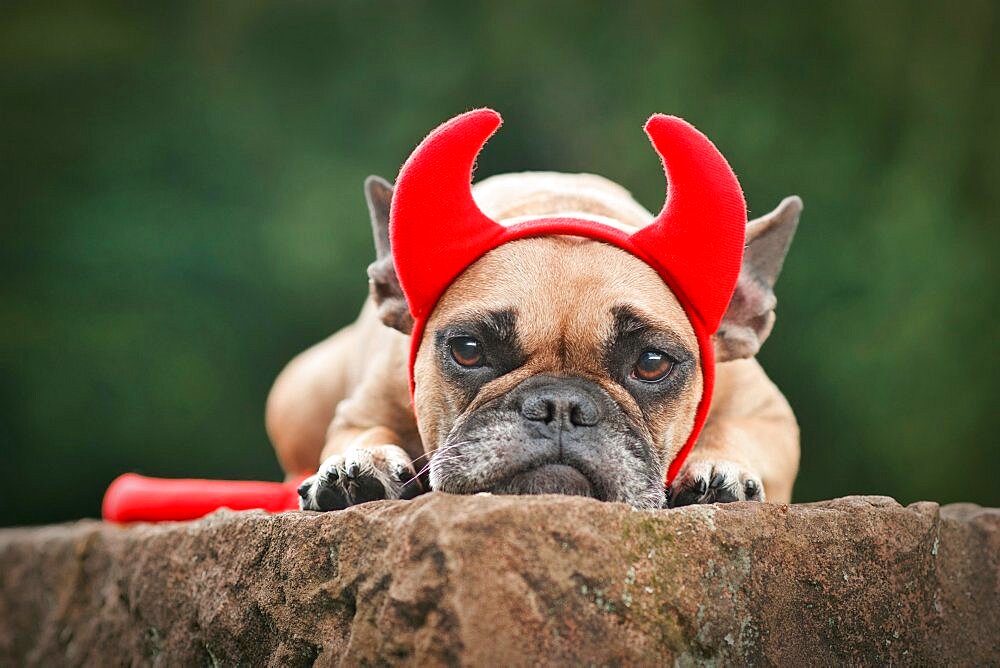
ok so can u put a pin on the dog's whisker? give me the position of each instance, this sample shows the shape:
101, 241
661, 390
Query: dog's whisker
439, 454
436, 451
426, 467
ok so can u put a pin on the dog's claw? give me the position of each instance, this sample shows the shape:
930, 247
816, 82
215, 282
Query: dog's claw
359, 476
706, 481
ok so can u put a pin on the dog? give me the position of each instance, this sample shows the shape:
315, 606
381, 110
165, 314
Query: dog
593, 381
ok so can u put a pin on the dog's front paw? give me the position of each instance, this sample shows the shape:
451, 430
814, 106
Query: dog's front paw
360, 475
714, 481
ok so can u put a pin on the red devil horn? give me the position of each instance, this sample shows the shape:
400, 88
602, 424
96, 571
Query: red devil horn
444, 229
698, 237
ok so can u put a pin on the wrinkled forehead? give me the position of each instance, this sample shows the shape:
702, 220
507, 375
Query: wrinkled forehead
563, 288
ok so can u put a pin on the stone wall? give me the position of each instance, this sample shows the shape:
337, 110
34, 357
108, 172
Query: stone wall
512, 581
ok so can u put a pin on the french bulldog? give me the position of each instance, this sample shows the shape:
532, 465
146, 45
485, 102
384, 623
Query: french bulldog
552, 364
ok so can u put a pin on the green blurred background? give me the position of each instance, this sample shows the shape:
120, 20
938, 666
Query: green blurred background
182, 209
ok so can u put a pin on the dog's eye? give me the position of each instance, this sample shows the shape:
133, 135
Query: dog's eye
466, 350
652, 366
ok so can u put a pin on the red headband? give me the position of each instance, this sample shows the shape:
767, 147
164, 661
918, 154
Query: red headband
695, 243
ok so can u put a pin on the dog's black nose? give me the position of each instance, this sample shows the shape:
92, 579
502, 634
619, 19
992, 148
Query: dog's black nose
562, 405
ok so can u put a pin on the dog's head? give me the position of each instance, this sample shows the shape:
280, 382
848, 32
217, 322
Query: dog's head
563, 364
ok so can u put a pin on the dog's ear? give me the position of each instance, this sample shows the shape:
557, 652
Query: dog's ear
383, 284
750, 315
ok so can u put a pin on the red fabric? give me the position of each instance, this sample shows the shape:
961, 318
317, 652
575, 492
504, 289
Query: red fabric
136, 498
695, 244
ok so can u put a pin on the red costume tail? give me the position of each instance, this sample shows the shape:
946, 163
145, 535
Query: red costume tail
135, 498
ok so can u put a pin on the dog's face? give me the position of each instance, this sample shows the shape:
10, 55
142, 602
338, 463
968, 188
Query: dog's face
565, 365
557, 365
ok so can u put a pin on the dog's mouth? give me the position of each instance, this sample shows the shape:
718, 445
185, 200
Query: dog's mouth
548, 479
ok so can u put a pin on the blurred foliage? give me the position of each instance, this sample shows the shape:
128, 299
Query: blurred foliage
182, 205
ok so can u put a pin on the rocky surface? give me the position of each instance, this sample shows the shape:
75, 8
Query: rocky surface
512, 581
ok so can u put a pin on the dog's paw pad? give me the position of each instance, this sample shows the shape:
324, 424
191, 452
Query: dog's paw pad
359, 476
714, 481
